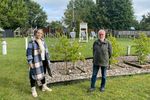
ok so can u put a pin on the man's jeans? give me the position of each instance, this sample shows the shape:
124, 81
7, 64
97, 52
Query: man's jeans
94, 75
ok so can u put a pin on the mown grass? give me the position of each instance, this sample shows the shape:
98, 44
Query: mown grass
87, 47
14, 82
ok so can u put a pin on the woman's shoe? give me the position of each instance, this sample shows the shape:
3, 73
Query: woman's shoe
34, 93
45, 88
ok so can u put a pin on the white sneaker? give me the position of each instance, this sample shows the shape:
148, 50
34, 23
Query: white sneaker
45, 88
34, 93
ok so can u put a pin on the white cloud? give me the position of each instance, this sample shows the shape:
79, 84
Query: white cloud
54, 8
141, 7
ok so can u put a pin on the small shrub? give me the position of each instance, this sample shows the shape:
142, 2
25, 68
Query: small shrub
142, 47
115, 48
68, 50
58, 35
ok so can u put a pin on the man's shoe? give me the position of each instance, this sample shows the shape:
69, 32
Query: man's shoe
34, 93
102, 89
91, 89
45, 88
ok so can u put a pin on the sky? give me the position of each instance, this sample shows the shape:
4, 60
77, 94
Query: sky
55, 8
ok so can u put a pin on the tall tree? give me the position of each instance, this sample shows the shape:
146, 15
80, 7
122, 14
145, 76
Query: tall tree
145, 22
82, 12
13, 13
56, 26
36, 16
101, 18
118, 14
108, 14
21, 13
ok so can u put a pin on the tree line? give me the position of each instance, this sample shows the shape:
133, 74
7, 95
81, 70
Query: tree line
21, 13
107, 14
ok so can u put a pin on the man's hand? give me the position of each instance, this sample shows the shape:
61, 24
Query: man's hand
109, 67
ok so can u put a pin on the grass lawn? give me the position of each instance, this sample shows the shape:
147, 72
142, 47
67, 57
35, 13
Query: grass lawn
14, 82
19, 44
87, 47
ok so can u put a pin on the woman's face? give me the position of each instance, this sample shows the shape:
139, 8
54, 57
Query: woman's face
39, 34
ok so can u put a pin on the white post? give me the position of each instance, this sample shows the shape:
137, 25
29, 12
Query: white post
128, 50
26, 43
4, 47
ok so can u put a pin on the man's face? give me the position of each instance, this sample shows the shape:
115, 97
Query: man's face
101, 34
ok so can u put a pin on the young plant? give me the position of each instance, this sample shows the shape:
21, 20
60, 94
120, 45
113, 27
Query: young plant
68, 50
142, 44
115, 48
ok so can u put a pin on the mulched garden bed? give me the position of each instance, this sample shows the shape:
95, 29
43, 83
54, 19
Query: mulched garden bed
137, 64
83, 70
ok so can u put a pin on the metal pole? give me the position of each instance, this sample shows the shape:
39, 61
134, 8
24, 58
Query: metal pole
73, 17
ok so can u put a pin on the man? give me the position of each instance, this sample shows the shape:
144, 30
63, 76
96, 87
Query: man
102, 51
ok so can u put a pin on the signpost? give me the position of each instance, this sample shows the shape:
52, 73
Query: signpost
92, 35
73, 35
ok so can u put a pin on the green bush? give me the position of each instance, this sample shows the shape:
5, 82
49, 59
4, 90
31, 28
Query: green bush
142, 47
116, 49
58, 35
68, 50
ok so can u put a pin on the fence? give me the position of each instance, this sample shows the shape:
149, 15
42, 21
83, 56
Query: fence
130, 33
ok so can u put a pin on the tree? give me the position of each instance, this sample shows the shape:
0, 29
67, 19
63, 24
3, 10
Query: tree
21, 13
68, 51
13, 13
136, 24
82, 9
145, 22
56, 26
36, 16
116, 14
142, 47
116, 49
108, 14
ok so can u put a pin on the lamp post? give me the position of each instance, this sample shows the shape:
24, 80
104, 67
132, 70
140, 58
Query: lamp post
73, 18
73, 33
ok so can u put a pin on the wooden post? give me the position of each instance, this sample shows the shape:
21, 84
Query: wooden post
4, 47
128, 50
26, 43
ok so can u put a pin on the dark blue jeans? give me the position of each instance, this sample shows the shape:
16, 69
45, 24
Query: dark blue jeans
94, 75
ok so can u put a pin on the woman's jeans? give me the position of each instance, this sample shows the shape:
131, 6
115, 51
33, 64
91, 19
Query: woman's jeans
94, 75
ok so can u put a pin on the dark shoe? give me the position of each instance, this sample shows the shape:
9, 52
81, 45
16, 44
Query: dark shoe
102, 89
91, 89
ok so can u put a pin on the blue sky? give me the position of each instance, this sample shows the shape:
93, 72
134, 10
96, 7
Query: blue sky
55, 8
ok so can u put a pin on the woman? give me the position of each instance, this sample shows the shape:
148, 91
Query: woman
38, 60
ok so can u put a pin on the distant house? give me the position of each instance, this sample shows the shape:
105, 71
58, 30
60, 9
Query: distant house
8, 33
